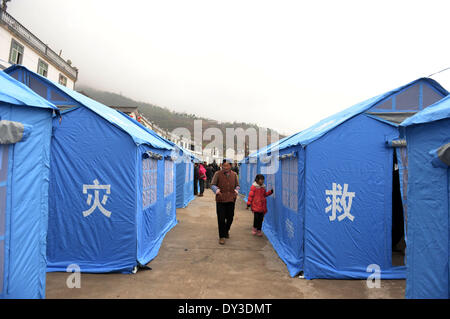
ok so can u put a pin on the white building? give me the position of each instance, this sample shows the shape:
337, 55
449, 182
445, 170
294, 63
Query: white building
19, 46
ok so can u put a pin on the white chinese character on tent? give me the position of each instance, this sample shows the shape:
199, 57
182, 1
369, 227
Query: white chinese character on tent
97, 204
341, 199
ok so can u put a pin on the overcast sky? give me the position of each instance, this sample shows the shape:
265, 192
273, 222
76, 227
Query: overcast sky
280, 64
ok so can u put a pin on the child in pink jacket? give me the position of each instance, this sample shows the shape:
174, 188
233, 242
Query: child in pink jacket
258, 203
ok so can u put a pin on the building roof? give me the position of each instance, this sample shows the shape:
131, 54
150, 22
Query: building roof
139, 135
17, 93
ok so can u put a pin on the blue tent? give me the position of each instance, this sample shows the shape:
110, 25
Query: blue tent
112, 185
428, 227
185, 178
25, 135
334, 212
184, 162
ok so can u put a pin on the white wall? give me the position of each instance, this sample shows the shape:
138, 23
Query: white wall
30, 57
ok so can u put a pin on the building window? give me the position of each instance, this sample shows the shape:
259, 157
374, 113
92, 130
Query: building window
149, 181
42, 68
62, 80
168, 178
289, 174
16, 53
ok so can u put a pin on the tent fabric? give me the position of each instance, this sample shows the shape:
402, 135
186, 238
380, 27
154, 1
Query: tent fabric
337, 243
185, 182
437, 111
24, 173
99, 183
332, 213
157, 216
139, 135
127, 234
428, 239
94, 241
283, 225
316, 131
184, 160
16, 93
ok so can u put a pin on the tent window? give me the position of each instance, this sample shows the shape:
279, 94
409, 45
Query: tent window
408, 99
168, 177
248, 173
270, 183
386, 105
289, 173
251, 176
15, 75
3, 180
38, 87
429, 96
149, 181
55, 96
191, 172
187, 174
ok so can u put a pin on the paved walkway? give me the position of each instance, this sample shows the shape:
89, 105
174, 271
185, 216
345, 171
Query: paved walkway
191, 264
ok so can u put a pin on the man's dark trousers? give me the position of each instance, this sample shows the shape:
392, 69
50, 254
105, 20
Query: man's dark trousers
201, 183
225, 215
195, 186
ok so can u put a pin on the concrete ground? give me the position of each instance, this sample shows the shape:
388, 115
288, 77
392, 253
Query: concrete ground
191, 264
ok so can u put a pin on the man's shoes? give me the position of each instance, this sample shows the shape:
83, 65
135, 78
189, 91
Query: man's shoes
200, 195
253, 231
222, 241
259, 233
227, 236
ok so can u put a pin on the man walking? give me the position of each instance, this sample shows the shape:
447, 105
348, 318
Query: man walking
225, 184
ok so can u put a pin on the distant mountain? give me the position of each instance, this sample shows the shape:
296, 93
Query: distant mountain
163, 117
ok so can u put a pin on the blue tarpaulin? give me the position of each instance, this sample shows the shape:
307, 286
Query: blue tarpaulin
428, 227
185, 179
112, 185
24, 172
332, 212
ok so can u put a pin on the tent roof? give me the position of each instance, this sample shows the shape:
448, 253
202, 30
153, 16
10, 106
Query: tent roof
172, 144
438, 111
319, 129
139, 135
17, 93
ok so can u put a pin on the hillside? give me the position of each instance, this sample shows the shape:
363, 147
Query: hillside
163, 117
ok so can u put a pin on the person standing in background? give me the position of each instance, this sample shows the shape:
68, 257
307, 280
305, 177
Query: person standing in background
195, 178
225, 184
201, 177
235, 168
209, 175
